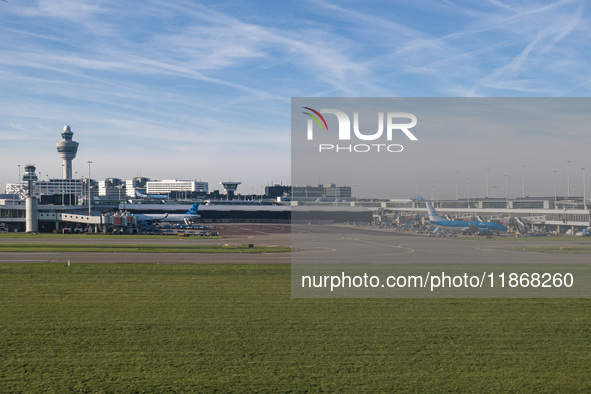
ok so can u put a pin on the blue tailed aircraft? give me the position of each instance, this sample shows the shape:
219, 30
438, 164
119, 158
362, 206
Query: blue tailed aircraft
170, 218
461, 225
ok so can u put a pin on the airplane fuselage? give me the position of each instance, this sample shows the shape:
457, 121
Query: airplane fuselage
461, 225
170, 218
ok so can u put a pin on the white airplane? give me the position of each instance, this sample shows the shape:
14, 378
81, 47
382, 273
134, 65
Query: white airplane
170, 218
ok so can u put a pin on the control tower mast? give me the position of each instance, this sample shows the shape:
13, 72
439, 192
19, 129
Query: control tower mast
231, 188
67, 150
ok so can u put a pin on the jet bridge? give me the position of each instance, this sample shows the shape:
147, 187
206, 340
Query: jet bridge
105, 223
521, 226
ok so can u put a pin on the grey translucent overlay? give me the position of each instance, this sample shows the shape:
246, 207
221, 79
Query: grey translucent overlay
453, 136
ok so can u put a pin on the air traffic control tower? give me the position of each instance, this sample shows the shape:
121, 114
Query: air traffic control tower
231, 188
67, 150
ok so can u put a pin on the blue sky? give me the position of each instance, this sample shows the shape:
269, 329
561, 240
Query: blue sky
188, 89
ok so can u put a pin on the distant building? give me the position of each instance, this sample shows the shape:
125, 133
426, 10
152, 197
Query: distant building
20, 191
277, 191
17, 190
334, 191
63, 191
112, 189
307, 191
170, 185
9, 199
136, 185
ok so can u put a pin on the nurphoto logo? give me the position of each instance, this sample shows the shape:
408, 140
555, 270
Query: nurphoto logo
393, 126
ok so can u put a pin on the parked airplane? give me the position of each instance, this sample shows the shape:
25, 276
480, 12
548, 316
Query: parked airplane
460, 225
170, 218
159, 196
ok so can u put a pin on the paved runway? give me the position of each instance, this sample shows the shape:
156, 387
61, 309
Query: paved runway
316, 245
351, 245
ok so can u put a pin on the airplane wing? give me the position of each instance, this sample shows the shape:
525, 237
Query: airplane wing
151, 219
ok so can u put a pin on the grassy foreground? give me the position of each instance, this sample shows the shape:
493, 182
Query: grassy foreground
154, 328
97, 236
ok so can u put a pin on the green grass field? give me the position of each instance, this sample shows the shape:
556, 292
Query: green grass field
137, 248
185, 328
66, 237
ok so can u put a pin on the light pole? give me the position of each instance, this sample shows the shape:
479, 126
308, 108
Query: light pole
468, 190
507, 190
487, 182
568, 178
19, 180
62, 187
555, 193
524, 181
89, 197
457, 192
76, 190
584, 189
436, 198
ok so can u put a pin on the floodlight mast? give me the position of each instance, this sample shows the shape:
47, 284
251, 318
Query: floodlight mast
89, 196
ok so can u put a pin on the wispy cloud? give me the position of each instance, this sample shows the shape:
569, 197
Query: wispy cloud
70, 10
188, 76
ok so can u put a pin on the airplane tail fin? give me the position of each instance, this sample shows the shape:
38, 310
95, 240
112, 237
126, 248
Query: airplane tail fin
433, 214
193, 210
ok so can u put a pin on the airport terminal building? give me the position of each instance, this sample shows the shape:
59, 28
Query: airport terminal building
545, 214
537, 214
